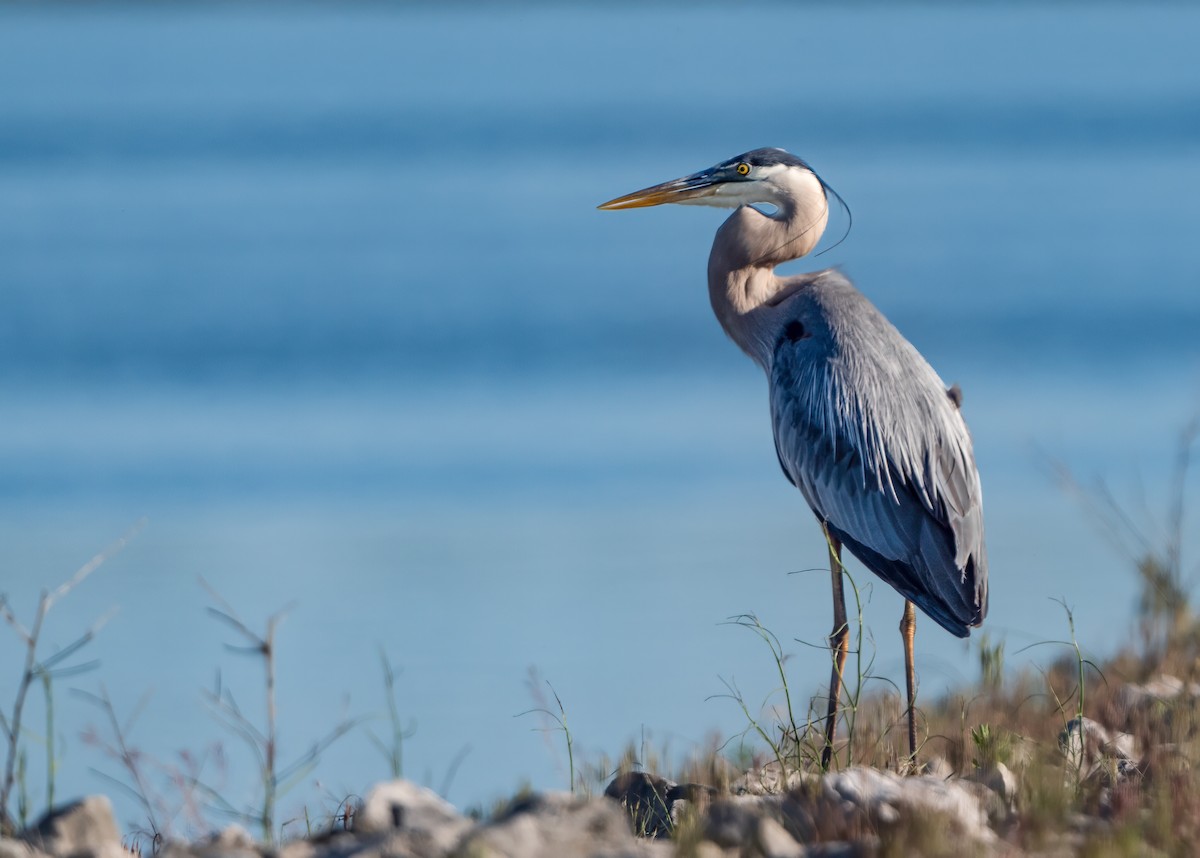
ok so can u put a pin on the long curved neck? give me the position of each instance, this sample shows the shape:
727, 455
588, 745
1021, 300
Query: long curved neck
742, 284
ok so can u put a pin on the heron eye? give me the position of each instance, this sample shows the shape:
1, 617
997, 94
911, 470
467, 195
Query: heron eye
743, 169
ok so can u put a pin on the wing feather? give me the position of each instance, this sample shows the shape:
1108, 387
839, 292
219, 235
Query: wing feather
864, 428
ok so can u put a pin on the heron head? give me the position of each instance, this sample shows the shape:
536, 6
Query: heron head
760, 176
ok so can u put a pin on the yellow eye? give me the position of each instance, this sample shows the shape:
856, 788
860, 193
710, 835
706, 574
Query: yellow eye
743, 169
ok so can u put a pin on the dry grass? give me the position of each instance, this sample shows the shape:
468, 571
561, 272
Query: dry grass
1090, 804
1061, 807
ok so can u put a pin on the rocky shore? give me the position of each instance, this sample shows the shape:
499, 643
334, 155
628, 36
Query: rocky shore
990, 807
859, 811
843, 814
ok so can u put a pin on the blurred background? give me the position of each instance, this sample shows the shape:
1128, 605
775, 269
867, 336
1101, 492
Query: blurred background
321, 292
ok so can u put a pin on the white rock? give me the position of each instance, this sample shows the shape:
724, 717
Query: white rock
732, 822
10, 848
557, 825
1133, 698
233, 837
1081, 741
1090, 749
429, 823
886, 796
231, 842
84, 829
307, 849
403, 805
1001, 781
1122, 746
773, 841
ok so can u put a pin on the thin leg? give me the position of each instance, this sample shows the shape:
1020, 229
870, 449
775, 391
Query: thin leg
908, 630
839, 645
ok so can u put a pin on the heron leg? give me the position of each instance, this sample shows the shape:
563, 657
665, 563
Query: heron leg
908, 630
839, 646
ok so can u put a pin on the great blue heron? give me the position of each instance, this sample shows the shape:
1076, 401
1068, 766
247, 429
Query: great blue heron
863, 426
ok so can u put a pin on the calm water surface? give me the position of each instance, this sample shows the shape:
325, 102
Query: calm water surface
322, 294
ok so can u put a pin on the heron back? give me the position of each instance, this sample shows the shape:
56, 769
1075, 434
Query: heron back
865, 429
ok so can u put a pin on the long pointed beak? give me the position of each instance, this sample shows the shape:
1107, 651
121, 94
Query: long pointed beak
703, 184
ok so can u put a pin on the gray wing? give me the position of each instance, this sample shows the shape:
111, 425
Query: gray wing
865, 429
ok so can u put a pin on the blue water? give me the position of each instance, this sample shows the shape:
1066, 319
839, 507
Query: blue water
321, 293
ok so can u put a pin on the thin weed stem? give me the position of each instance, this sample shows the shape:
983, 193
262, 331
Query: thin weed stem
263, 743
35, 669
393, 750
557, 720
